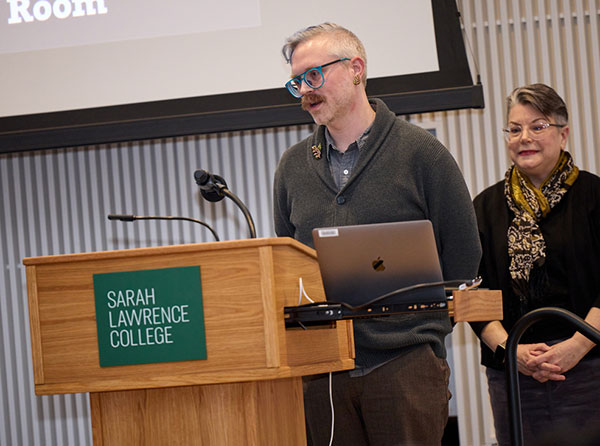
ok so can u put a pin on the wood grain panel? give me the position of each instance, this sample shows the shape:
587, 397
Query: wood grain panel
244, 287
257, 413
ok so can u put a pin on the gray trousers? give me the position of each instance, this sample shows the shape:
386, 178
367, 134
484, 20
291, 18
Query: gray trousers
555, 412
404, 402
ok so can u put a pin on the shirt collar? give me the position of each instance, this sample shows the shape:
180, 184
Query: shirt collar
360, 142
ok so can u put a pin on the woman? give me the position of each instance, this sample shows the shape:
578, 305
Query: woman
540, 234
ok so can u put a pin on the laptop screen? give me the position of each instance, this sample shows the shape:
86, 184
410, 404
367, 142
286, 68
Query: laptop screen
363, 262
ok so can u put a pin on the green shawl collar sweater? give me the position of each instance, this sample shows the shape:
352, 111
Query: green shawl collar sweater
403, 173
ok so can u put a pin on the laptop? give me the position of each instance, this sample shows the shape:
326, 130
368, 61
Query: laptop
365, 262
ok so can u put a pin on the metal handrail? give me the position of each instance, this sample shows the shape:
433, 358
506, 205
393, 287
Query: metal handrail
514, 394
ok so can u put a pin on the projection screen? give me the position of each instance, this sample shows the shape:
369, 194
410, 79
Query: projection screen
79, 72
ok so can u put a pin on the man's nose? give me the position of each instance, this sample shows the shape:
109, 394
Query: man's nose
305, 88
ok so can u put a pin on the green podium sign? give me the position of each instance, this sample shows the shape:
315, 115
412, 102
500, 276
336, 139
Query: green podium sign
149, 316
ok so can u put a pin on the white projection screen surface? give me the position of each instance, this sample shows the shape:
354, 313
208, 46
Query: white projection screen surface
91, 71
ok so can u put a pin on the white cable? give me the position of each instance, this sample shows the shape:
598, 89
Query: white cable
332, 411
303, 292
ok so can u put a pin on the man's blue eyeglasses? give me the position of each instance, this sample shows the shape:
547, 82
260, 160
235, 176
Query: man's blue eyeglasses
313, 77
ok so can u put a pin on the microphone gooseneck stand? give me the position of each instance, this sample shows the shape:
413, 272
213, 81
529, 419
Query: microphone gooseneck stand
242, 207
121, 217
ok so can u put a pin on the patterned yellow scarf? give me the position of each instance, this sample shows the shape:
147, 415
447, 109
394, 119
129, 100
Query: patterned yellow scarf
526, 246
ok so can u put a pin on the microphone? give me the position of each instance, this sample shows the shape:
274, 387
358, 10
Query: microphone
121, 217
214, 188
127, 217
211, 186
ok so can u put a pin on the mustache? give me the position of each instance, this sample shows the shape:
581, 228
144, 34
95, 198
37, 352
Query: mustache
311, 98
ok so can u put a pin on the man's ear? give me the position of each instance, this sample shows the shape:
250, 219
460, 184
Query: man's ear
358, 66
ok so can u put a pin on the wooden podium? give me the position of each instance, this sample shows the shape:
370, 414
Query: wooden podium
249, 389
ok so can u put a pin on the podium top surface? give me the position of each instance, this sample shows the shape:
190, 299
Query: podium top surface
173, 249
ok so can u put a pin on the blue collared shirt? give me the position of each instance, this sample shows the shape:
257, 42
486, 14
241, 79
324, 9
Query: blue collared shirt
342, 163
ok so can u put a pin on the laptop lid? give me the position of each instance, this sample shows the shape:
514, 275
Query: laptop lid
363, 262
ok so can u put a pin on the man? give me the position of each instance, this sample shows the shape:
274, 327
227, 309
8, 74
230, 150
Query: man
364, 165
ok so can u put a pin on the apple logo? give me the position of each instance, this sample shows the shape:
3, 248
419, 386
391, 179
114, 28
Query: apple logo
378, 264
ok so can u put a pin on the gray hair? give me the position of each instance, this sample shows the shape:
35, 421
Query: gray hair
343, 42
541, 97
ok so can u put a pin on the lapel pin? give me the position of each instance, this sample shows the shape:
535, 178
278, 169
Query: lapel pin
316, 151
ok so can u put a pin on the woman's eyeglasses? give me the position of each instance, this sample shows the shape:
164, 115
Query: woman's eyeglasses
535, 130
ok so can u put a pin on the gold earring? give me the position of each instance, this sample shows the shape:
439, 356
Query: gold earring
356, 80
